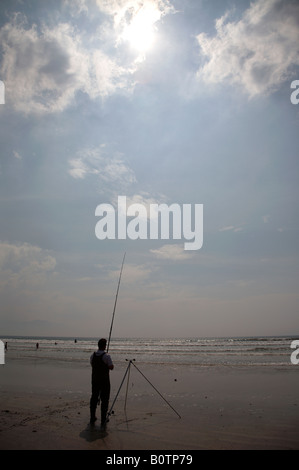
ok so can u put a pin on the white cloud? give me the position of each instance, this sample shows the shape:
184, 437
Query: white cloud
107, 168
135, 22
106, 76
132, 274
43, 68
229, 228
17, 155
172, 252
124, 12
76, 7
258, 52
143, 198
24, 265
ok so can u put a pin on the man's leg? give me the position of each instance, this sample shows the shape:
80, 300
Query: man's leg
105, 395
94, 401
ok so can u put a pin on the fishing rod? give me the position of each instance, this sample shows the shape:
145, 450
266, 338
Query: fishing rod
116, 297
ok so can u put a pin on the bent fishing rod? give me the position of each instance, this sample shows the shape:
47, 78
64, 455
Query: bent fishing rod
116, 297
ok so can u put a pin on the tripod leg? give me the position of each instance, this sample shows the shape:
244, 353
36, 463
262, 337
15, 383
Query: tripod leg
157, 391
125, 407
112, 406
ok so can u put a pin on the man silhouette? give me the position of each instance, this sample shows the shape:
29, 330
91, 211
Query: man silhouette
101, 365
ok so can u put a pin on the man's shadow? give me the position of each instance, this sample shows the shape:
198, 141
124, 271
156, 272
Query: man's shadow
92, 432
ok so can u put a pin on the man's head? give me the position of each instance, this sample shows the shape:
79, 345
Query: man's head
102, 344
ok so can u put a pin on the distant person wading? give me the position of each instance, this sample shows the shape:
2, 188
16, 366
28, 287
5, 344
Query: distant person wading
101, 365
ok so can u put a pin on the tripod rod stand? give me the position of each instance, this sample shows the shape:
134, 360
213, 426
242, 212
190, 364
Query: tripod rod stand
131, 362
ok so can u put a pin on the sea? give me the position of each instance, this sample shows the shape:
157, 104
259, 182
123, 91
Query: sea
273, 351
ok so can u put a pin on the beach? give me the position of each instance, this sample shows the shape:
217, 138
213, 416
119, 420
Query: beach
45, 405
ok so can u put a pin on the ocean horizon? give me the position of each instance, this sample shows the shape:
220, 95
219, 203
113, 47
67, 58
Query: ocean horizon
230, 351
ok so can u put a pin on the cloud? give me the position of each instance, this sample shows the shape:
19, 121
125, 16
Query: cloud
144, 199
109, 169
107, 76
75, 7
172, 252
226, 229
133, 274
43, 69
134, 22
124, 12
230, 228
17, 155
259, 52
24, 265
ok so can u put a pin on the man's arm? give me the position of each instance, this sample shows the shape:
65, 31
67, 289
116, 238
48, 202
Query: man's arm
91, 358
109, 362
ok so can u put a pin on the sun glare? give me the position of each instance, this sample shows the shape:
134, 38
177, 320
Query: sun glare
140, 33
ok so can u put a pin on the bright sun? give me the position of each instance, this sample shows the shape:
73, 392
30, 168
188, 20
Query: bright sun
140, 33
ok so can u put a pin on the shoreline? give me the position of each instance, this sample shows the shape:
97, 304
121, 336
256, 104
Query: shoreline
45, 405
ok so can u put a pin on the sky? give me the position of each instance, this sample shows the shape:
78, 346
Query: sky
161, 101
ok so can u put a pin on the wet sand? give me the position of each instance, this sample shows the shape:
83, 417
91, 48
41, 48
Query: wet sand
45, 405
